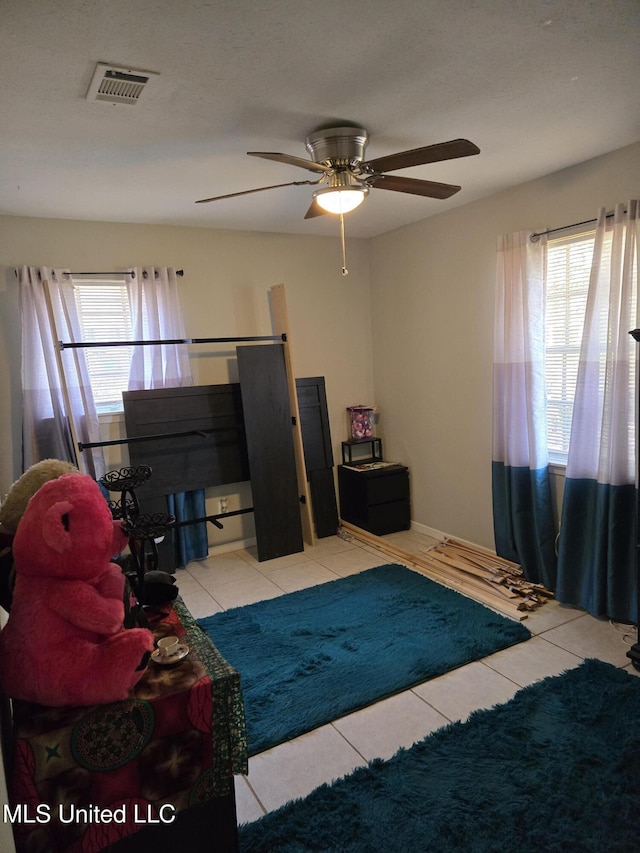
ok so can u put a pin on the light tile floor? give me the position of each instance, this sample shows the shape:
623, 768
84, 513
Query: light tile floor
563, 637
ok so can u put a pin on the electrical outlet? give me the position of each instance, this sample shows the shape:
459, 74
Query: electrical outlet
224, 504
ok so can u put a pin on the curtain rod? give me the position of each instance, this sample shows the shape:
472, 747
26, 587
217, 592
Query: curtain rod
62, 345
537, 234
117, 272
112, 272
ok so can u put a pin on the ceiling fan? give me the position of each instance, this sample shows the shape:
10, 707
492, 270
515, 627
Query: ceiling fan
337, 157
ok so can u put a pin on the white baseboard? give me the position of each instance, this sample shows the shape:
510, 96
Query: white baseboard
428, 531
227, 547
439, 534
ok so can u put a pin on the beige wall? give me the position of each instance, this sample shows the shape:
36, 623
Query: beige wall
432, 296
225, 292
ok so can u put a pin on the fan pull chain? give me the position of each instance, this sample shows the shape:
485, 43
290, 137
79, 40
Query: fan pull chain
345, 271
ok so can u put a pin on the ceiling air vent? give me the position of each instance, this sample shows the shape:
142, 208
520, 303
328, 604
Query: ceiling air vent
116, 85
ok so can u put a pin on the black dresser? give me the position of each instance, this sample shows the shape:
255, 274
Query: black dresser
375, 496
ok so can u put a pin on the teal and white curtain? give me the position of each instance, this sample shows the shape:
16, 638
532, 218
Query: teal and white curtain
596, 557
157, 315
522, 501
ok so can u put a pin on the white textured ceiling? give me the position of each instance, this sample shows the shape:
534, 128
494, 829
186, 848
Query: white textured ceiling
538, 86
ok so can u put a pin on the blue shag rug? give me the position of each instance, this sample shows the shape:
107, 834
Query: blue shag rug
555, 769
312, 656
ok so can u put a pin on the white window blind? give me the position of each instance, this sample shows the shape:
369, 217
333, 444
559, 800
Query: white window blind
568, 270
567, 275
105, 315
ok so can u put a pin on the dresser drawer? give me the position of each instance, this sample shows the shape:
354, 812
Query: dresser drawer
375, 499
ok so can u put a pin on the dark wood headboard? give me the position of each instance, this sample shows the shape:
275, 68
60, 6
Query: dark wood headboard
216, 455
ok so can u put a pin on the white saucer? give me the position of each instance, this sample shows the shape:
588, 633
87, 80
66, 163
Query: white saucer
166, 660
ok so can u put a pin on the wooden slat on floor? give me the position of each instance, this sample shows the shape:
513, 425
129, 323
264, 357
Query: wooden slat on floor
469, 569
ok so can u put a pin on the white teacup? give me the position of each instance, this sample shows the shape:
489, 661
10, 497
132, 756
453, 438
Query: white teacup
168, 646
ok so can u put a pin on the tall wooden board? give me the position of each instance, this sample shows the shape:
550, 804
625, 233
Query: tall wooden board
272, 462
280, 319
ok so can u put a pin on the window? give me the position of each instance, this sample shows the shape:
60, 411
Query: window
568, 269
567, 277
105, 315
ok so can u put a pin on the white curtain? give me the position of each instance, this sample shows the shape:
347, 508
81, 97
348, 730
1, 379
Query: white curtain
602, 429
522, 506
46, 430
596, 559
156, 315
520, 432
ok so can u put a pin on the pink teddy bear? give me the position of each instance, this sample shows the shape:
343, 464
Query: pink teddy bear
64, 642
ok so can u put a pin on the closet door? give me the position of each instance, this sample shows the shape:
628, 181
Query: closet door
272, 464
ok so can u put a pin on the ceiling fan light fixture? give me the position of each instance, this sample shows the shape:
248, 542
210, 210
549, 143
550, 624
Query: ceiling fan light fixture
337, 154
339, 199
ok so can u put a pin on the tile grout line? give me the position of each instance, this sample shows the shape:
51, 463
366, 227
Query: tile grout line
346, 739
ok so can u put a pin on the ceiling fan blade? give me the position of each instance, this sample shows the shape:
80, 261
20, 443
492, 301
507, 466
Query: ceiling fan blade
431, 189
314, 210
289, 159
257, 190
419, 156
